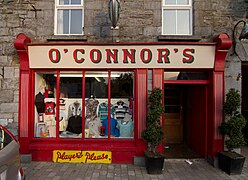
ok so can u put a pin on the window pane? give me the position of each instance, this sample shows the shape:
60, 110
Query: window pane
75, 1
62, 2
45, 103
121, 120
76, 22
183, 22
185, 75
176, 2
169, 21
70, 105
170, 2
69, 2
96, 104
183, 2
63, 22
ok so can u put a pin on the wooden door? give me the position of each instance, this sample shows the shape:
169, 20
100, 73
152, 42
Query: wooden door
173, 125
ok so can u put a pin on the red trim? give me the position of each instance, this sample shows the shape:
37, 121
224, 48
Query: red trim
57, 103
121, 43
83, 104
41, 149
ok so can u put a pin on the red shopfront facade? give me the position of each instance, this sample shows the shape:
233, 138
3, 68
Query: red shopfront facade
93, 97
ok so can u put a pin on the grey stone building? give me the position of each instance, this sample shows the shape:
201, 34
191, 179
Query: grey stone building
139, 21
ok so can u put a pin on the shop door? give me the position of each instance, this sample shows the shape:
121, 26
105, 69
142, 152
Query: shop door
173, 125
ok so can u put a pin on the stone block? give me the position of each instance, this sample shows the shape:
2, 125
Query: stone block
6, 96
9, 107
9, 72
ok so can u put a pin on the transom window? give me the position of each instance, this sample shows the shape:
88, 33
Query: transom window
69, 17
177, 17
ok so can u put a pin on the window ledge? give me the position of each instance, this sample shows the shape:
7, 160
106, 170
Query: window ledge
67, 38
179, 38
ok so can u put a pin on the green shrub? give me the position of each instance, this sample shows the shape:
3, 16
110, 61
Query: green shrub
234, 121
153, 133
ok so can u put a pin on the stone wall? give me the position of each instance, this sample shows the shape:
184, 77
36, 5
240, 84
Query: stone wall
140, 20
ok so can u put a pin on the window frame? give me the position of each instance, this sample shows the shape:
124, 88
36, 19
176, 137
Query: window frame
67, 7
178, 7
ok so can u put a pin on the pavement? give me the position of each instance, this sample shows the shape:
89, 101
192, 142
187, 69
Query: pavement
174, 169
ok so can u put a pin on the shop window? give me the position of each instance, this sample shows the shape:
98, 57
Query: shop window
96, 103
99, 99
45, 103
177, 17
69, 17
122, 125
97, 106
70, 105
169, 75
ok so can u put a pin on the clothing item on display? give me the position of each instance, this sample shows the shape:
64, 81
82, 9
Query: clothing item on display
75, 124
94, 127
130, 108
120, 109
114, 131
75, 109
126, 128
49, 108
40, 103
91, 105
103, 110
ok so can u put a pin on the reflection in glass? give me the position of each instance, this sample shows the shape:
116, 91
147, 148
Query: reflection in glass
172, 75
70, 105
96, 103
121, 120
45, 102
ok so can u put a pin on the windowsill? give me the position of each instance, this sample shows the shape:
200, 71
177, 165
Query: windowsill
67, 38
179, 38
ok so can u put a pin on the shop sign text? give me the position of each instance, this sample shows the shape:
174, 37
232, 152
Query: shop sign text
82, 156
137, 56
111, 56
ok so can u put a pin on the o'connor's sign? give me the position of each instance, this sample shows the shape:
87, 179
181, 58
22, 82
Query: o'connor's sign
121, 56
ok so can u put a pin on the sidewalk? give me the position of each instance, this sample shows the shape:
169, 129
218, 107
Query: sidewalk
174, 169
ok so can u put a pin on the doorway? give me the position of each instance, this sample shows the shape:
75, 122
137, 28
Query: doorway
185, 120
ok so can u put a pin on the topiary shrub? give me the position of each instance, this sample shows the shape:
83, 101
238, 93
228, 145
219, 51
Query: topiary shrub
153, 133
234, 121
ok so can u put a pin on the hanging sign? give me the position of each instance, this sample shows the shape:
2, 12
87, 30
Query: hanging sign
73, 156
121, 56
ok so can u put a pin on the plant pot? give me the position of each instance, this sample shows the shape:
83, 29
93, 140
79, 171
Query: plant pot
154, 165
231, 162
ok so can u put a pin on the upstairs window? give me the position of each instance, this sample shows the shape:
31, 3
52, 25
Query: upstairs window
69, 17
177, 17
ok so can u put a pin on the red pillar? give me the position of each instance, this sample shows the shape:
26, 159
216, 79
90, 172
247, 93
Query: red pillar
20, 44
215, 139
140, 109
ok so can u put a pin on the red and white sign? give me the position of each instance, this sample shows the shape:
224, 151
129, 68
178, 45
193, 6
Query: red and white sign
121, 56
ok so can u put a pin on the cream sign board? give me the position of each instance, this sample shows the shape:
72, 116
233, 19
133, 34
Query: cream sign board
121, 56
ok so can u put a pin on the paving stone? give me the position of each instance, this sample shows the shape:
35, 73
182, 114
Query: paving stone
174, 169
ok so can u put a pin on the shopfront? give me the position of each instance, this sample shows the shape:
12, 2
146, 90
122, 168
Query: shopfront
90, 99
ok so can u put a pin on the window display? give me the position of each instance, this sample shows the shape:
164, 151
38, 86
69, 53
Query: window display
96, 116
45, 103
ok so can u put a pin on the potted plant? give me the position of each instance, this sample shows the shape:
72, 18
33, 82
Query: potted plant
153, 133
230, 161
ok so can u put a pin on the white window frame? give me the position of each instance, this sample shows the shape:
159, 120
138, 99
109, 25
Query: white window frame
178, 7
67, 7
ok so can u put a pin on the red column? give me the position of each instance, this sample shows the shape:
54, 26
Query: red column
20, 44
140, 109
215, 139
